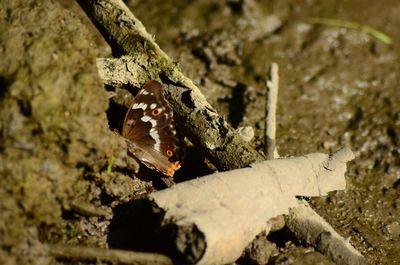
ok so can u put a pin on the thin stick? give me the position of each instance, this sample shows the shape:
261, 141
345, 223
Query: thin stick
308, 225
270, 111
81, 253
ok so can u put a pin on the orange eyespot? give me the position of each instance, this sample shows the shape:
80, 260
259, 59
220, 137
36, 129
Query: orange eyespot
169, 153
156, 112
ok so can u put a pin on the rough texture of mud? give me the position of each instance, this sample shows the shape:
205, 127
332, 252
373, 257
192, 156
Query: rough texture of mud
338, 87
55, 141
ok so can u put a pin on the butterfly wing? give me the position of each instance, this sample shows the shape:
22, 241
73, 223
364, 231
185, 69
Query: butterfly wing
150, 130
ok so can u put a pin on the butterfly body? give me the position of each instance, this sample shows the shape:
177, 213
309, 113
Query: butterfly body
150, 131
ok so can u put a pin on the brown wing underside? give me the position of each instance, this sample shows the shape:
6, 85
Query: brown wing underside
149, 128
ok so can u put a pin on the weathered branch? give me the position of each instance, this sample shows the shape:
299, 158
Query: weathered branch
200, 122
81, 253
124, 32
317, 232
218, 215
121, 71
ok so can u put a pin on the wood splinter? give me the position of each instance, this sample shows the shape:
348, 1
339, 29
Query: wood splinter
270, 111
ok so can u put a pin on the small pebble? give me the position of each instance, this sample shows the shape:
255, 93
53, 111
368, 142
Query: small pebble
247, 133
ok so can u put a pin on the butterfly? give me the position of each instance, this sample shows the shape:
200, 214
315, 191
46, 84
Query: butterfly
150, 131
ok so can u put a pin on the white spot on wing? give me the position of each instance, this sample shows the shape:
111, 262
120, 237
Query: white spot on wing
144, 92
153, 106
141, 105
146, 118
129, 122
154, 134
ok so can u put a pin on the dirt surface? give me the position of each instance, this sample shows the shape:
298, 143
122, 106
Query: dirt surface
338, 87
53, 167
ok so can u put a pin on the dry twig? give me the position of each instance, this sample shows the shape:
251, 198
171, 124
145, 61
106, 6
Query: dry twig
305, 223
81, 253
270, 111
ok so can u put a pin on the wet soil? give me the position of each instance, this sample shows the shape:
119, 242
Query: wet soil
338, 87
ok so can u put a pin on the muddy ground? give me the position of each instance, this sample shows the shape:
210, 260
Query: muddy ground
338, 87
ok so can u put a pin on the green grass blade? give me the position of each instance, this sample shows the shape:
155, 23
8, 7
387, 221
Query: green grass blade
110, 164
379, 35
